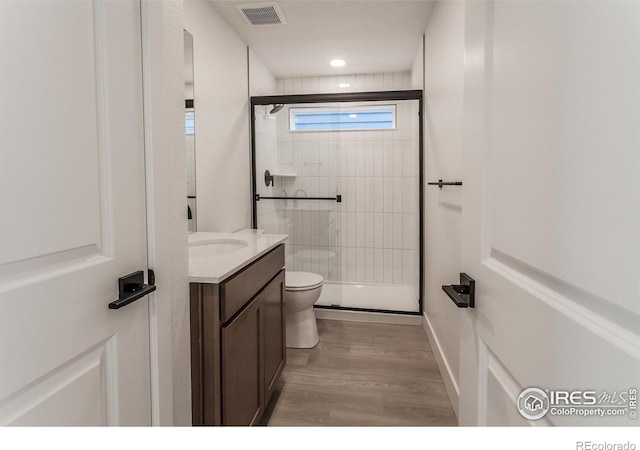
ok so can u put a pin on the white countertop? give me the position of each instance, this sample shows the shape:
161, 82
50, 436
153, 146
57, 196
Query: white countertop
230, 253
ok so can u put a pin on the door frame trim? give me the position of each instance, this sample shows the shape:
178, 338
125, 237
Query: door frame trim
163, 106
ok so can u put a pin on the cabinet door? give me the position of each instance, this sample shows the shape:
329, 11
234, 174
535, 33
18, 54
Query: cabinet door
274, 333
242, 362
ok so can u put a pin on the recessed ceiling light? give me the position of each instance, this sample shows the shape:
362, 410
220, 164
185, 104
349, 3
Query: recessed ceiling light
337, 62
344, 85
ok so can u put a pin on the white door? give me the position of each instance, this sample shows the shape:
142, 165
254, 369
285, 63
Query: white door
72, 205
551, 216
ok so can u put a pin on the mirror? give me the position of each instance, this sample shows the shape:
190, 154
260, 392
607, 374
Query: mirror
190, 131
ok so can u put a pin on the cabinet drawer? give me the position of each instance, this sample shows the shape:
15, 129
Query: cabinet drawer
237, 290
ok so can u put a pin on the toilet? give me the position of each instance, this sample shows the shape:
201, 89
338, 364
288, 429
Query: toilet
302, 290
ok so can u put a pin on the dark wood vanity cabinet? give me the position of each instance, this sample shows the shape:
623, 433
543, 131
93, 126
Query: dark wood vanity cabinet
242, 367
238, 342
274, 340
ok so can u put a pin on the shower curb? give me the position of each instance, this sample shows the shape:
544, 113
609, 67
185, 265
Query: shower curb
369, 317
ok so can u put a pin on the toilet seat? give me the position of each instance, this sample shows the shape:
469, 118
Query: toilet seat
302, 281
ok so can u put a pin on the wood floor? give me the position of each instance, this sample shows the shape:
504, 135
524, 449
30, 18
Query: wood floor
362, 374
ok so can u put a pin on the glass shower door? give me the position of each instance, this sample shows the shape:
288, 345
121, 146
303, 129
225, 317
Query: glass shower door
298, 193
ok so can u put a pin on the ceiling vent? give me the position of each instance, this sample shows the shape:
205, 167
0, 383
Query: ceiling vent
263, 13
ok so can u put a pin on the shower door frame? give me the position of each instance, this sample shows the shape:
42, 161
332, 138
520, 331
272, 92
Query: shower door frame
415, 94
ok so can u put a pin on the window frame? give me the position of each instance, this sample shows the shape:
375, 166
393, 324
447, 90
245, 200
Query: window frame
341, 109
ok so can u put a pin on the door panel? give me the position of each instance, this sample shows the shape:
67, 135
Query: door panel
498, 393
551, 208
73, 214
242, 360
564, 162
79, 393
56, 111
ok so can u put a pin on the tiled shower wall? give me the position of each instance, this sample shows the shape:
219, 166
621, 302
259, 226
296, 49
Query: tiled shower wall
372, 236
357, 83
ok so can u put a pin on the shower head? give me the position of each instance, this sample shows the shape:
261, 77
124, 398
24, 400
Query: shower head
276, 108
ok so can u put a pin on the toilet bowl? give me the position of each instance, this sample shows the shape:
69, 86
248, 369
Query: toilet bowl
302, 290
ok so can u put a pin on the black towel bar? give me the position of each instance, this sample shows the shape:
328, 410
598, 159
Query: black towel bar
441, 183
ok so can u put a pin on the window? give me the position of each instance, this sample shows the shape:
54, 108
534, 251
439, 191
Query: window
371, 117
189, 122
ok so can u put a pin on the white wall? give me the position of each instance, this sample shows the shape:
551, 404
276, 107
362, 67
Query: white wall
262, 82
167, 218
417, 69
443, 91
223, 186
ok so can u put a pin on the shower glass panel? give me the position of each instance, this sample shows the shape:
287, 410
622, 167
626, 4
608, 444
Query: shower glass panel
367, 246
297, 187
380, 232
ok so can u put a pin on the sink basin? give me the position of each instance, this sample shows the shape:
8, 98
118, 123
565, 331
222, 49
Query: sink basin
214, 247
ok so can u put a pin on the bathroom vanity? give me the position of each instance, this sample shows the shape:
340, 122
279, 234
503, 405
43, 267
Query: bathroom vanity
237, 325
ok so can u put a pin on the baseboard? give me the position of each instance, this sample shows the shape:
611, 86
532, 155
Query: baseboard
364, 316
445, 370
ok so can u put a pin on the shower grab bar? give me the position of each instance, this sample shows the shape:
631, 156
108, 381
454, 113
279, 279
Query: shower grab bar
441, 183
337, 198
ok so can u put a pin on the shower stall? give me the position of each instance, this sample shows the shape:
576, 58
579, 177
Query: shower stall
341, 174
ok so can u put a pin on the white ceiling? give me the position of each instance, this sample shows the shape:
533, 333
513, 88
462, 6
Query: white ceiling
372, 36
